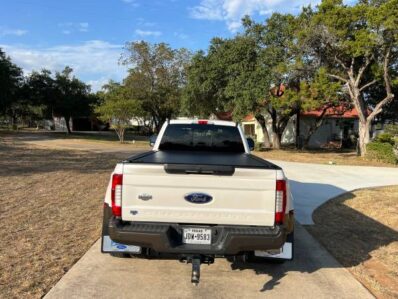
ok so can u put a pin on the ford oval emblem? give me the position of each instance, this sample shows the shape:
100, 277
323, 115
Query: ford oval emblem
198, 198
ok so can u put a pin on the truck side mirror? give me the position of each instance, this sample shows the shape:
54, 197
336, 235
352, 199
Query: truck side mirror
152, 140
251, 143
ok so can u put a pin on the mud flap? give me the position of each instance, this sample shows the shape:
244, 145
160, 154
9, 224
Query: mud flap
284, 253
109, 246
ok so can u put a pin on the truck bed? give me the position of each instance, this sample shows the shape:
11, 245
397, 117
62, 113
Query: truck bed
240, 160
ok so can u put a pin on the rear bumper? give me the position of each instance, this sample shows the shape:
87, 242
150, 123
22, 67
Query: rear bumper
167, 237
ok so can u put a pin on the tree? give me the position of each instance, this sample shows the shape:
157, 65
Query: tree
323, 95
156, 78
39, 93
358, 46
117, 108
228, 78
281, 55
71, 96
11, 79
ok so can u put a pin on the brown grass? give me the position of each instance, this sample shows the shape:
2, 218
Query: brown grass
50, 214
320, 157
361, 230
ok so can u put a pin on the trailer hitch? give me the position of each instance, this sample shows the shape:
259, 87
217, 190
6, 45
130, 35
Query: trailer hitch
195, 276
196, 261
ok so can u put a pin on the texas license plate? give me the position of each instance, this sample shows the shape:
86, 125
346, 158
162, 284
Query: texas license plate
196, 236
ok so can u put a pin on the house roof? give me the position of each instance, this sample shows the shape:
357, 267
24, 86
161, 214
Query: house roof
333, 112
227, 115
249, 117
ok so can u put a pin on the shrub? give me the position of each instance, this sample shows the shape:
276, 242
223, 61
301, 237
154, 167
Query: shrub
258, 146
391, 129
385, 138
381, 152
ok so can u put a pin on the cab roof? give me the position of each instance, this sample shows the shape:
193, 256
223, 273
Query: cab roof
203, 122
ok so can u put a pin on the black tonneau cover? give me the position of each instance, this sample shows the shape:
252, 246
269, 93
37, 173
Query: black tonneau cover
241, 160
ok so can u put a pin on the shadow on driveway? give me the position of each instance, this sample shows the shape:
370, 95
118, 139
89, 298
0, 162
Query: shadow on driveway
357, 236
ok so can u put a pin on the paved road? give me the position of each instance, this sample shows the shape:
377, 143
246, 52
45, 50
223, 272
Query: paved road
313, 184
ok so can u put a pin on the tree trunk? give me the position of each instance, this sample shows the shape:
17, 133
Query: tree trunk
67, 119
120, 134
276, 140
313, 128
261, 120
364, 137
299, 142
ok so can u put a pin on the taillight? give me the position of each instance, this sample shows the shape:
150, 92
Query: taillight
202, 122
116, 194
280, 201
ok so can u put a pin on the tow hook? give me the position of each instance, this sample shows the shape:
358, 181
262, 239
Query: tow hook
196, 261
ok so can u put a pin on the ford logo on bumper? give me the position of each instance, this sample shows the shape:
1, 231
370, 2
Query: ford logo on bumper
198, 198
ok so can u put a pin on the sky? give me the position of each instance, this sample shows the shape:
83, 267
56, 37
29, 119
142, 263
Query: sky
89, 35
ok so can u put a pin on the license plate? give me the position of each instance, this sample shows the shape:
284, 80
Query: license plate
196, 236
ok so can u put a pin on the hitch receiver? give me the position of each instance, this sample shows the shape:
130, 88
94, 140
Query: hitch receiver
195, 277
196, 261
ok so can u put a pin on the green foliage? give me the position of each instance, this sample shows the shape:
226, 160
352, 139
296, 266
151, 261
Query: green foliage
10, 81
156, 78
60, 95
385, 138
117, 108
391, 129
381, 152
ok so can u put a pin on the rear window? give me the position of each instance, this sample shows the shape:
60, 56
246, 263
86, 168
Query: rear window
195, 137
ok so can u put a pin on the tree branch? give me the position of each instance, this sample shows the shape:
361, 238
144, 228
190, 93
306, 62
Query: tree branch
341, 62
362, 70
367, 85
389, 95
338, 78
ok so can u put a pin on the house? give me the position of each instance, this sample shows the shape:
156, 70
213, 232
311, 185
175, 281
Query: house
338, 128
252, 128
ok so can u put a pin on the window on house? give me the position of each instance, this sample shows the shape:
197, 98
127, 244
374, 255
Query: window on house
249, 130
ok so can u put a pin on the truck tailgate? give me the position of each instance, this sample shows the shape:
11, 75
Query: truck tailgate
150, 194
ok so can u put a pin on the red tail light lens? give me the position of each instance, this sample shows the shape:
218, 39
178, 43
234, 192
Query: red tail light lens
116, 194
202, 122
280, 201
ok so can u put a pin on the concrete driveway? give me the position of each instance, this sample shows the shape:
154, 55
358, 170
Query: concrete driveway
314, 184
313, 273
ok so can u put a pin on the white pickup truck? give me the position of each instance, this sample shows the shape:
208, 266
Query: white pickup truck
198, 194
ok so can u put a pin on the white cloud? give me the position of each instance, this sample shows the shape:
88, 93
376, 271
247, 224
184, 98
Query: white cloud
7, 31
181, 35
208, 10
69, 27
97, 84
93, 61
132, 3
83, 27
232, 11
147, 33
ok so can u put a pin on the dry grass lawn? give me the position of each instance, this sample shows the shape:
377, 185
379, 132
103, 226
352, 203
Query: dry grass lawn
50, 214
320, 157
361, 230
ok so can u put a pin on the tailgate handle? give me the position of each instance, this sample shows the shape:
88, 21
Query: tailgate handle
199, 169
